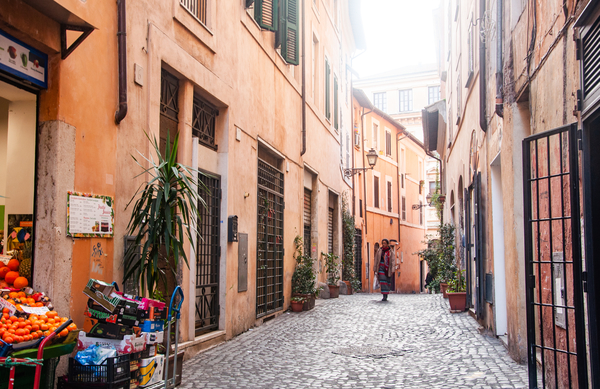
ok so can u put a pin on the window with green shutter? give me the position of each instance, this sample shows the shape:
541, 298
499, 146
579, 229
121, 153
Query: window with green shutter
327, 89
289, 32
335, 102
265, 14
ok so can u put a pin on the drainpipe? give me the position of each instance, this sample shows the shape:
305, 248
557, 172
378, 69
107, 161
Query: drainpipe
499, 65
482, 80
122, 52
303, 79
362, 117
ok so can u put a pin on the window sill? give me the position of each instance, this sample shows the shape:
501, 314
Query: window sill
196, 28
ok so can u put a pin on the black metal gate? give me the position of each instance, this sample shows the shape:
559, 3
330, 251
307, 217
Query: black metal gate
208, 255
555, 311
358, 255
269, 258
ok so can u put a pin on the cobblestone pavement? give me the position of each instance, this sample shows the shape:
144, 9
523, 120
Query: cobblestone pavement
358, 341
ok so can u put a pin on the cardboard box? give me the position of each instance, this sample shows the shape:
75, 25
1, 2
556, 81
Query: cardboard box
102, 293
126, 313
151, 370
154, 337
151, 351
153, 326
99, 329
129, 344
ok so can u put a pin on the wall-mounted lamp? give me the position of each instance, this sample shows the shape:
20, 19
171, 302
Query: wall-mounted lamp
371, 159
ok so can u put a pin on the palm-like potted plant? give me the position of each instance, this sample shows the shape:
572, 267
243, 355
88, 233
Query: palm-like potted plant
162, 217
332, 267
457, 292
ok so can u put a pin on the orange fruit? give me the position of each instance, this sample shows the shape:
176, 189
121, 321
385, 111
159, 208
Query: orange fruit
51, 313
64, 332
11, 276
9, 340
21, 282
13, 295
14, 318
13, 264
21, 294
3, 271
72, 327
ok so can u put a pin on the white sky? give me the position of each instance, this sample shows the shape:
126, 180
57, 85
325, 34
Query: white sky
398, 33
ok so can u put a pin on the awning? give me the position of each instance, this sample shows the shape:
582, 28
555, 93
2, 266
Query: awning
68, 22
434, 126
362, 98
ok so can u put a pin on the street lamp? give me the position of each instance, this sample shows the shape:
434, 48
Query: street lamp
419, 206
371, 159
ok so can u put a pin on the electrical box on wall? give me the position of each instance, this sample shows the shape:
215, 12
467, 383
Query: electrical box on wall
232, 228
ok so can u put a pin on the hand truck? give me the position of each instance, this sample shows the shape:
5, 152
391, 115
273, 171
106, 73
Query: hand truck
171, 383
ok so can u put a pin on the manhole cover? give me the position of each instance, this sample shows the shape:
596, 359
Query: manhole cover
375, 352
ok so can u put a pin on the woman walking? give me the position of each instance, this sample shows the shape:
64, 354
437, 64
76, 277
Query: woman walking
383, 267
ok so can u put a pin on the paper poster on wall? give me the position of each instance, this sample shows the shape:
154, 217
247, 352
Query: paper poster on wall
90, 216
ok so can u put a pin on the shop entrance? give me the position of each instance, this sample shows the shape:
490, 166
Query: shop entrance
18, 116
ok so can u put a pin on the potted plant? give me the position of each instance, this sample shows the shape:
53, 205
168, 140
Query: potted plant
439, 255
297, 303
161, 219
332, 267
303, 279
457, 292
348, 232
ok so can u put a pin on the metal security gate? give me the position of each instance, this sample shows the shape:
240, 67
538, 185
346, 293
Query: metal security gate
208, 255
269, 263
306, 220
358, 255
555, 311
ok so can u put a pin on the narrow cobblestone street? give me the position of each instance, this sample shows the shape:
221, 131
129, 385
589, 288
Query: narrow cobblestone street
358, 341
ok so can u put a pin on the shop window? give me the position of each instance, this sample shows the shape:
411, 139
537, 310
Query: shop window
18, 113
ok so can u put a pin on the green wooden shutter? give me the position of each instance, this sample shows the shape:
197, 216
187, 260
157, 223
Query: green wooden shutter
335, 102
327, 88
289, 32
265, 14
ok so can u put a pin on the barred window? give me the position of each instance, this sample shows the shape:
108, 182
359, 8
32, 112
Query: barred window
376, 192
203, 122
403, 208
389, 196
198, 8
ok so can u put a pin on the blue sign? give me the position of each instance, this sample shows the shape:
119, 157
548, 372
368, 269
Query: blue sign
23, 61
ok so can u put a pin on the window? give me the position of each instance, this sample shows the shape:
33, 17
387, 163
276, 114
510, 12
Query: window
376, 192
404, 208
388, 143
402, 180
330, 231
406, 100
169, 108
307, 220
335, 103
389, 196
432, 187
284, 22
420, 213
198, 8
380, 101
458, 100
433, 94
375, 143
204, 117
315, 54
471, 55
327, 89
360, 207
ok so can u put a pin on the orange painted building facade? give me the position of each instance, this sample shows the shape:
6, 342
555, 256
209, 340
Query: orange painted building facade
384, 196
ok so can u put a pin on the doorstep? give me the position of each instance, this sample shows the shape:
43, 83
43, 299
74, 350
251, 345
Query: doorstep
201, 343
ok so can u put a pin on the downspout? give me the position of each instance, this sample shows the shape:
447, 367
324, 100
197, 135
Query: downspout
352, 148
499, 65
362, 117
122, 52
482, 80
303, 79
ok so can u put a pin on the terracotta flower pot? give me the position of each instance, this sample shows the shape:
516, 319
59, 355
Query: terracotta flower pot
297, 306
444, 288
309, 300
348, 286
458, 301
334, 291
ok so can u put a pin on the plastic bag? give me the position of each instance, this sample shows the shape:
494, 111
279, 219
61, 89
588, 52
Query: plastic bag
95, 355
376, 282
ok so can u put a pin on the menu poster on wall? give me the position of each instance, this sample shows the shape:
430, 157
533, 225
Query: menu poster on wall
90, 216
23, 61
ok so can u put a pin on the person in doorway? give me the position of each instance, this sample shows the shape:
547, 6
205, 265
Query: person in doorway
384, 267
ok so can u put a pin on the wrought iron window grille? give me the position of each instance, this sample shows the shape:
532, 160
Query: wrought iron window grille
204, 117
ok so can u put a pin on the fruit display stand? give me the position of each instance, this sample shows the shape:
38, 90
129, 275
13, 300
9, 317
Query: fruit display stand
16, 369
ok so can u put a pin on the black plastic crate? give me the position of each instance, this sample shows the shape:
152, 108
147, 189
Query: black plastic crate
111, 371
64, 383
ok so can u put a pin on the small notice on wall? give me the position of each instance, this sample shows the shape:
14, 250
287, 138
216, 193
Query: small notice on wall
90, 216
